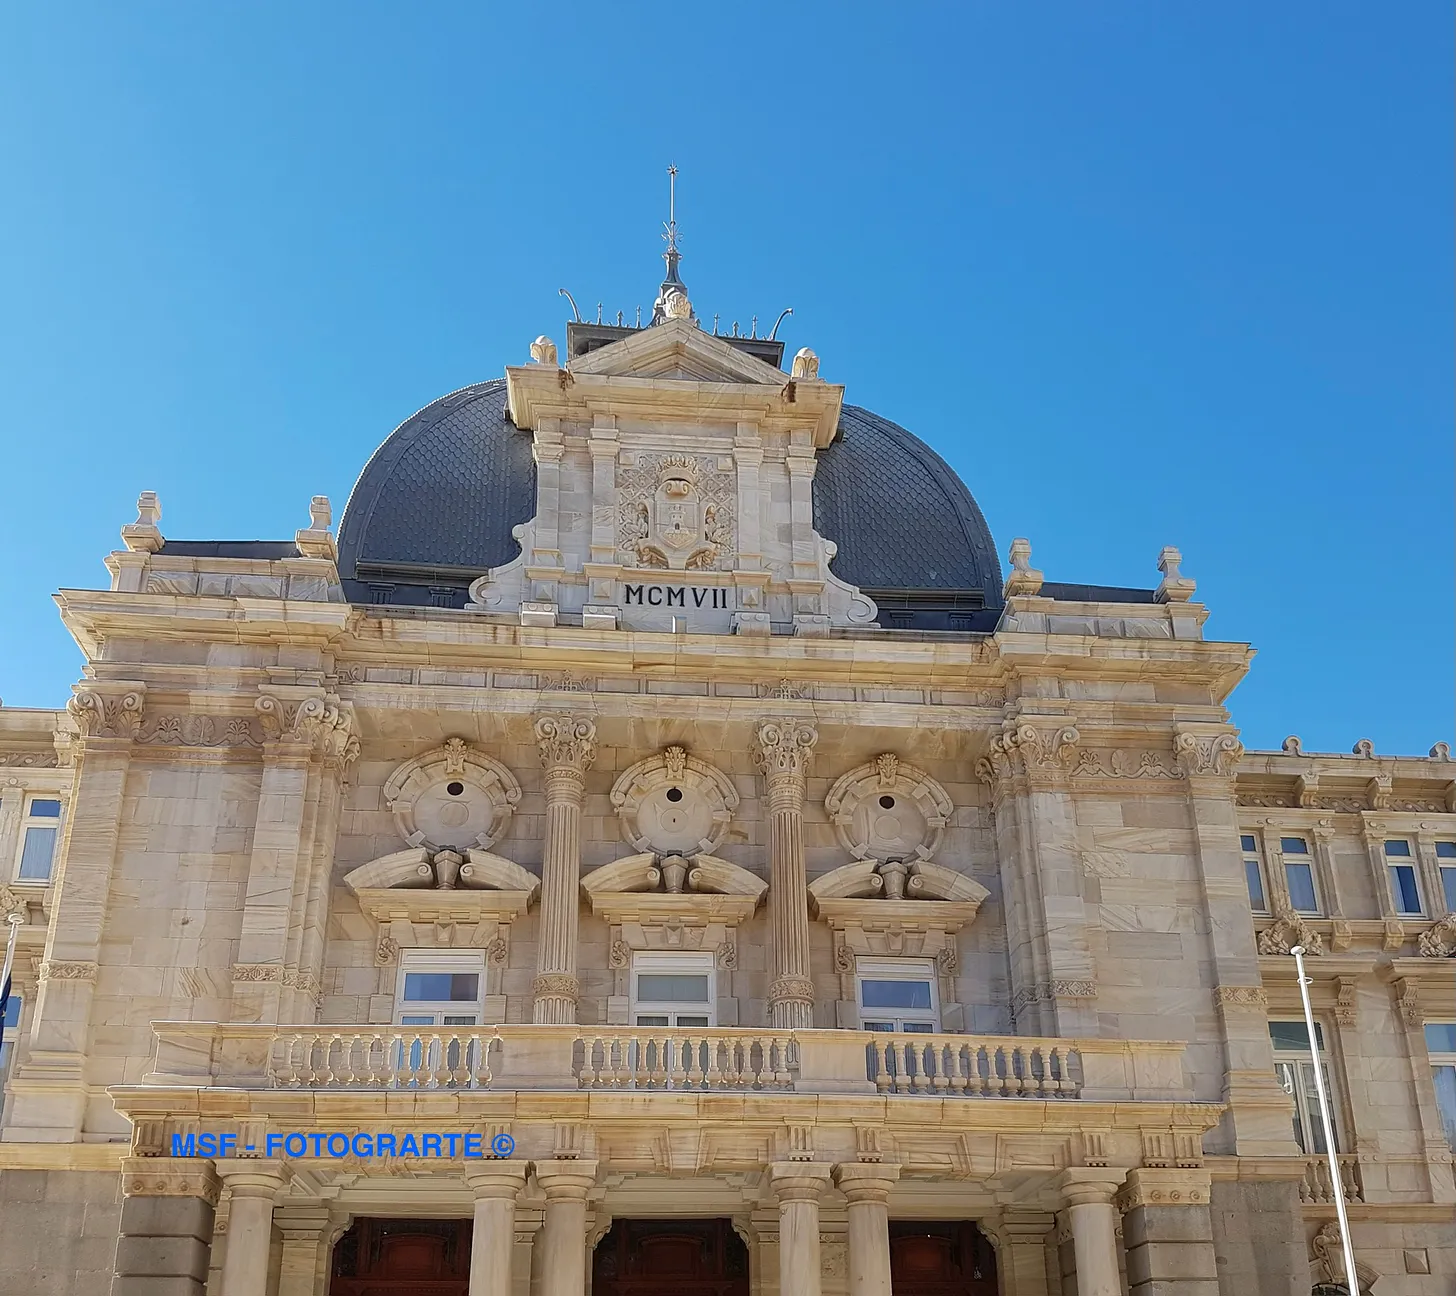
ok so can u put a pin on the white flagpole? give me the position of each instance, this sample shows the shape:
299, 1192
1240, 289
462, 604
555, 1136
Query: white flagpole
1352, 1283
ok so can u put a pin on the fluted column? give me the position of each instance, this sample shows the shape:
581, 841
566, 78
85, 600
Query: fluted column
562, 1239
867, 1186
254, 1185
492, 1242
783, 750
1089, 1194
568, 745
798, 1186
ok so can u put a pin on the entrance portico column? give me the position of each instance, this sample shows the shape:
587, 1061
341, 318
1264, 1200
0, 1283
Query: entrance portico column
562, 1240
867, 1187
1089, 1192
568, 745
783, 749
493, 1240
254, 1185
798, 1186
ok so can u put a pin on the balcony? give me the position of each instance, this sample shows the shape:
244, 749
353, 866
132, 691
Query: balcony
1316, 1187
658, 1060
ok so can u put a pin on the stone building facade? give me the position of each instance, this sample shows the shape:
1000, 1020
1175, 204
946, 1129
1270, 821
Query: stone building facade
657, 806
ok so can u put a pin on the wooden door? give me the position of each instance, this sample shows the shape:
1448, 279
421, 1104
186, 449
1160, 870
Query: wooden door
940, 1258
670, 1258
402, 1257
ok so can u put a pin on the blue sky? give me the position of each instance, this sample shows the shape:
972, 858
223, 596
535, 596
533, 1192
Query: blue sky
1144, 273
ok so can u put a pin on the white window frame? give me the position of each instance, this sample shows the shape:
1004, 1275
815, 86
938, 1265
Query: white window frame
1255, 856
1410, 861
28, 821
1446, 873
911, 1020
1442, 1059
1294, 1069
1306, 858
438, 1010
668, 963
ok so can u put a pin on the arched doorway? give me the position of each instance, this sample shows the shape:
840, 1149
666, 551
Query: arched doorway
402, 1257
940, 1258
681, 1257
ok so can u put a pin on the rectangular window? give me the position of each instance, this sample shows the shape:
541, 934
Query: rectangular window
673, 990
1403, 887
439, 989
40, 828
1294, 1066
1446, 858
1299, 874
1441, 1044
898, 995
1254, 873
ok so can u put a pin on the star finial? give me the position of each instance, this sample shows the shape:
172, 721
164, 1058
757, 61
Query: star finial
669, 229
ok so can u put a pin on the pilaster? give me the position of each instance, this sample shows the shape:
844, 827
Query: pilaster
1168, 1232
1053, 979
49, 1093
303, 729
168, 1210
1257, 1123
307, 1232
783, 749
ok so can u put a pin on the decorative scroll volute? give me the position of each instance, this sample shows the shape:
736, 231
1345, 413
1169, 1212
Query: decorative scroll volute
783, 750
108, 712
566, 741
1215, 755
1023, 748
319, 721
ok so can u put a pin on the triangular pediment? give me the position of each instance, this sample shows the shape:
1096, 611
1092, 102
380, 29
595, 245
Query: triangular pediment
678, 349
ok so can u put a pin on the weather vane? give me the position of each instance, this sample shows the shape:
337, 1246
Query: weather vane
670, 227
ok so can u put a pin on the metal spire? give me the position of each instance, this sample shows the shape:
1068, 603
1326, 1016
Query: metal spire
672, 283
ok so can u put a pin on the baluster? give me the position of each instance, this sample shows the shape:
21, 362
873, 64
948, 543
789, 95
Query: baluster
589, 1077
780, 1061
285, 1072
694, 1073
713, 1075
955, 1071
898, 1063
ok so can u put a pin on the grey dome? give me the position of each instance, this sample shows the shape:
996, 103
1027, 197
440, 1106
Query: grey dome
435, 505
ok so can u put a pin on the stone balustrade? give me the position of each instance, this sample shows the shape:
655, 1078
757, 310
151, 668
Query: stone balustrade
1317, 1188
539, 1056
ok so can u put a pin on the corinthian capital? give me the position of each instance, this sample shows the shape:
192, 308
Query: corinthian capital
1216, 754
108, 710
784, 748
318, 721
566, 740
1024, 747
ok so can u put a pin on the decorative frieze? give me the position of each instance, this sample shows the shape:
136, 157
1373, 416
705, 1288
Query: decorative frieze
54, 970
260, 973
1126, 765
201, 731
28, 760
1227, 996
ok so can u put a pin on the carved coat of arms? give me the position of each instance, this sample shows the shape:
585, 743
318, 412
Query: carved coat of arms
671, 517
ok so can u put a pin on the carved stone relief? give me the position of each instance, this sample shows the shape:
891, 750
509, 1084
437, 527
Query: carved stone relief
673, 804
888, 810
675, 512
452, 798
